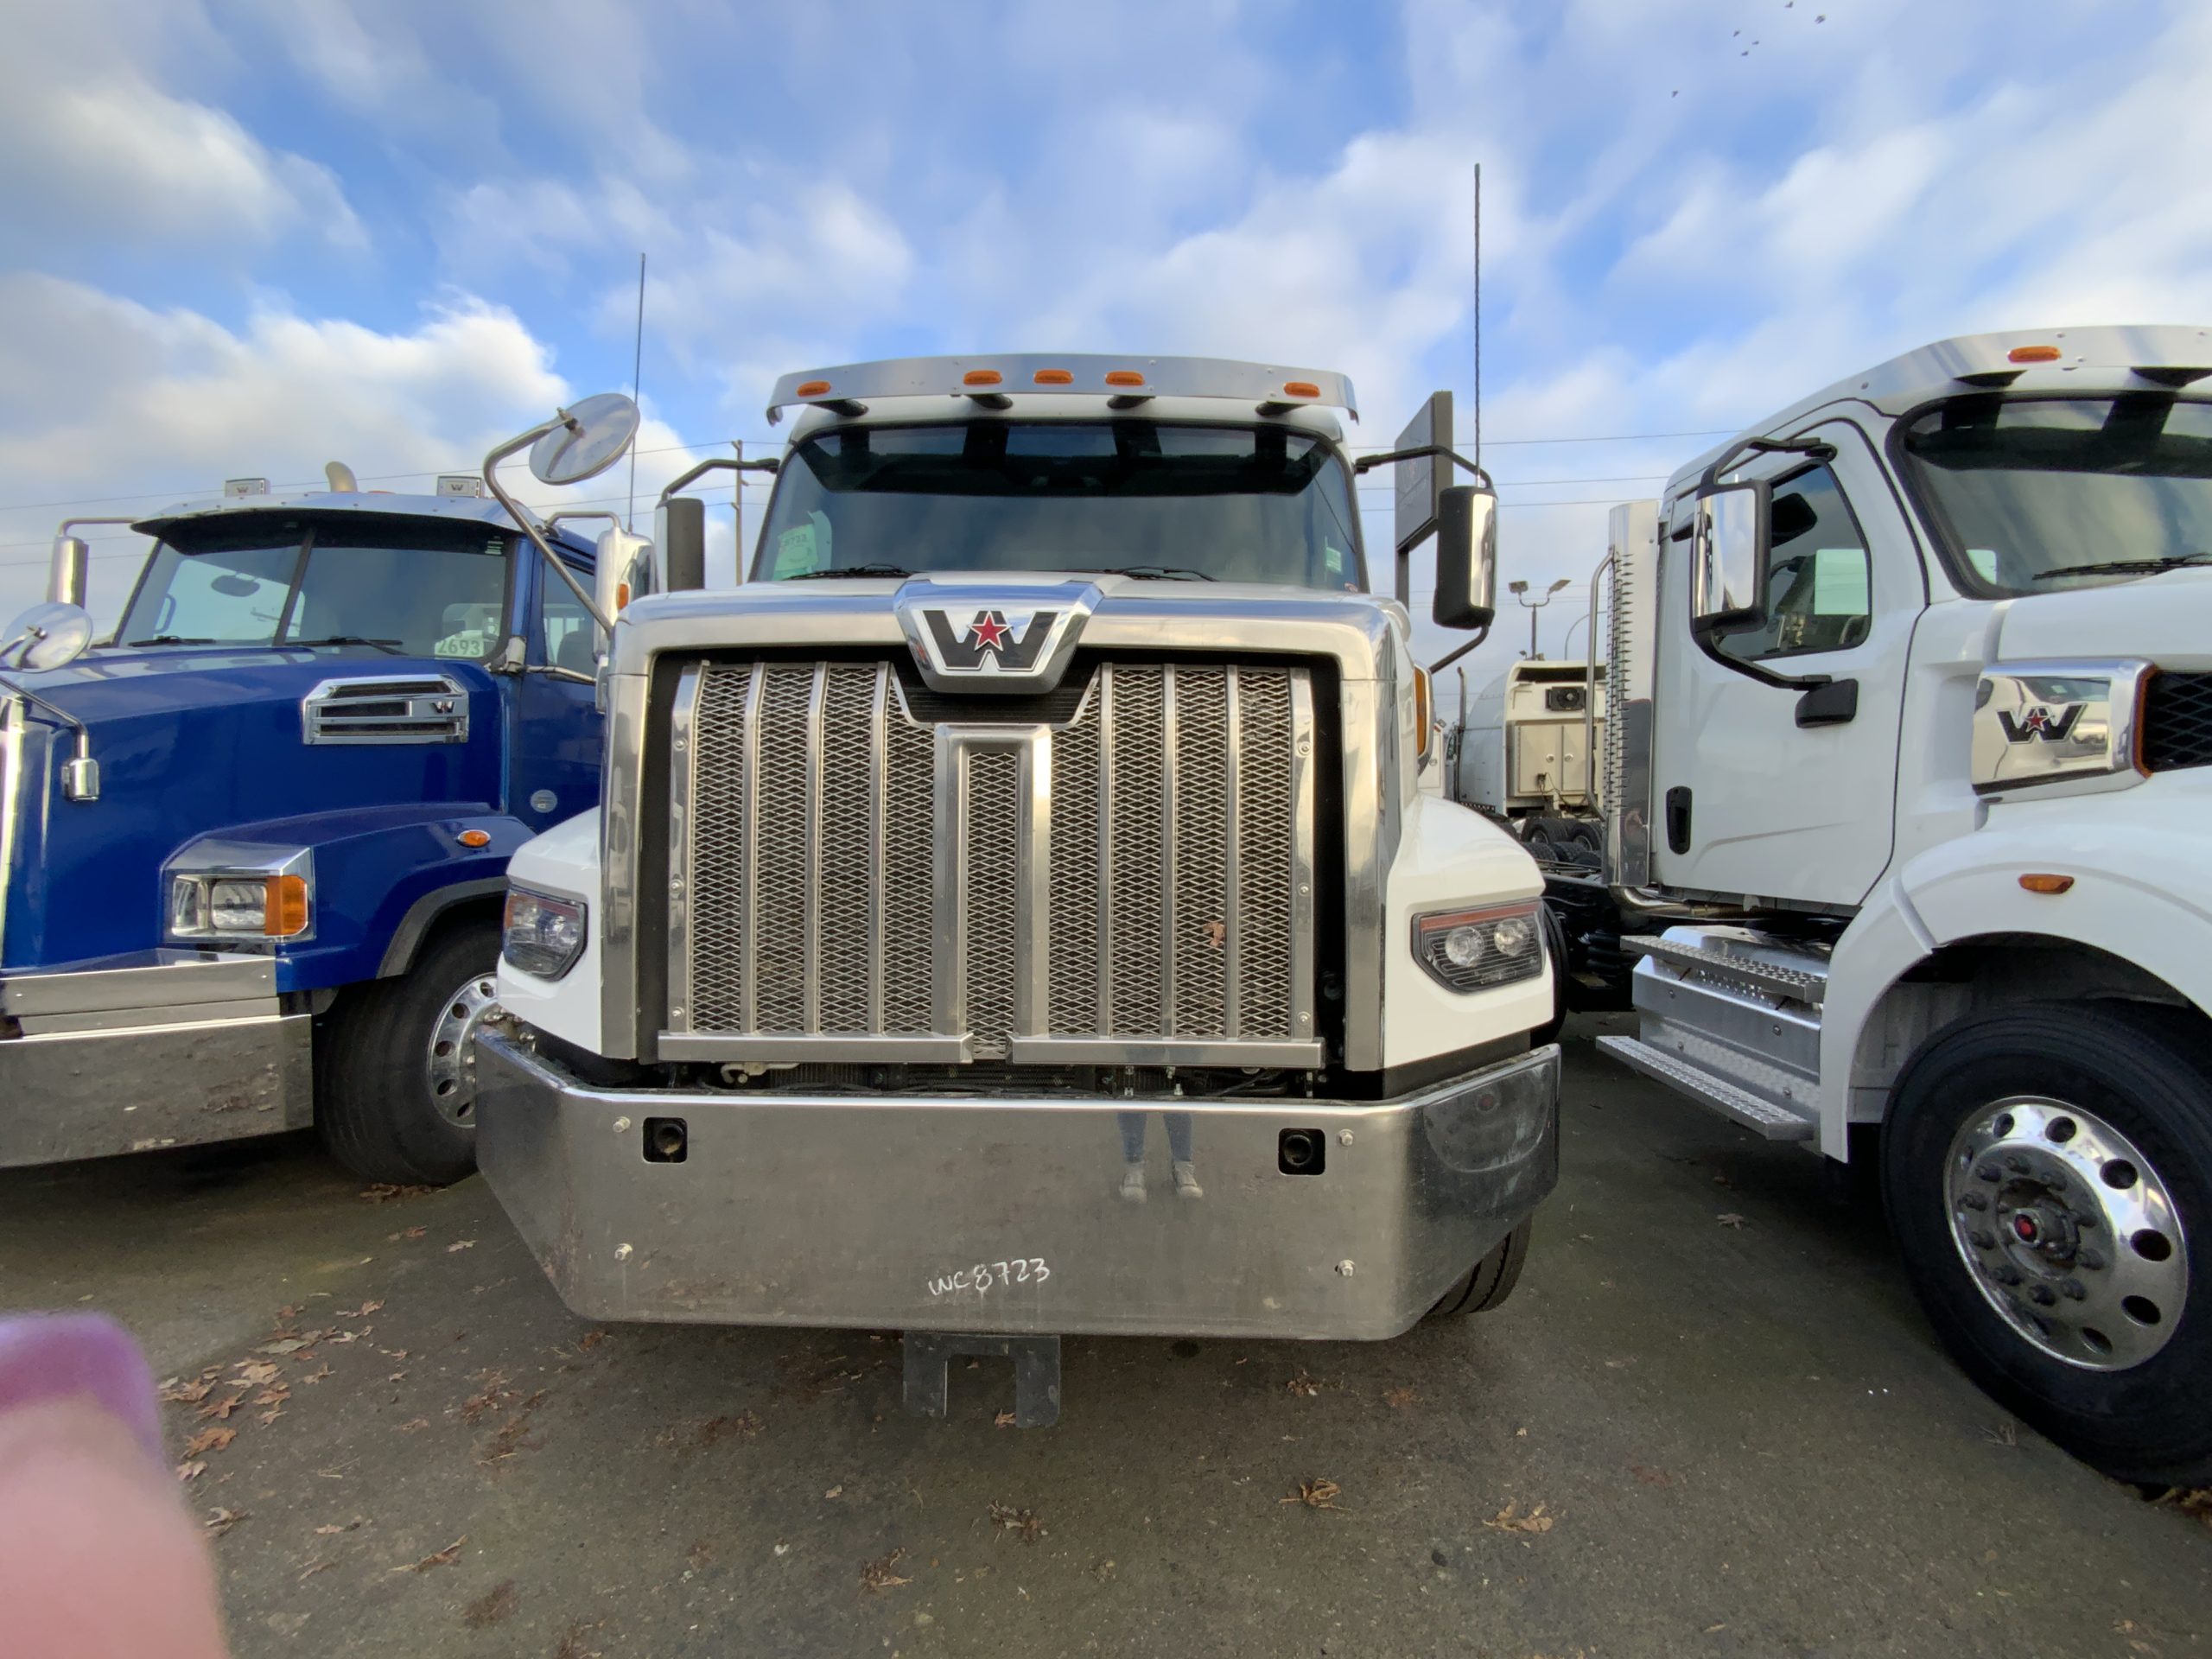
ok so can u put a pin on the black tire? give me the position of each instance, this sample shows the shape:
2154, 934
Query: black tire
1489, 1282
374, 1102
1555, 950
2146, 1071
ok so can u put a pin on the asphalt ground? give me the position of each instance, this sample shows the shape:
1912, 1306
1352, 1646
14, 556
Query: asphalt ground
1712, 1420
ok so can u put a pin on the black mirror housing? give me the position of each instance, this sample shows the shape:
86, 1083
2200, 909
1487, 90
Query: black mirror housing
1466, 558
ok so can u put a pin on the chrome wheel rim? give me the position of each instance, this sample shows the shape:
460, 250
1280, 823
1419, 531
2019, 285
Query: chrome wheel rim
2067, 1231
450, 1065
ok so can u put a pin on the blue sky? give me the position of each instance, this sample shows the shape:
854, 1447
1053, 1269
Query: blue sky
247, 238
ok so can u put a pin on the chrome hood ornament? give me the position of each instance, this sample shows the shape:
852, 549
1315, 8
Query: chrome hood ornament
1013, 637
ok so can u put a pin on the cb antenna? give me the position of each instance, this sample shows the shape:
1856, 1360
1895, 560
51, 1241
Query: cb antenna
637, 370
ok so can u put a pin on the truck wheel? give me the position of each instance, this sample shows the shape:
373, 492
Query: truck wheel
1489, 1282
396, 1101
2048, 1173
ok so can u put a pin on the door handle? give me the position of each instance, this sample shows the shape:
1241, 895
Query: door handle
1831, 702
1678, 819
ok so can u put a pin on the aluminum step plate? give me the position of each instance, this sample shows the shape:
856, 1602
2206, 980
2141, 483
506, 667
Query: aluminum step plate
1770, 1122
1792, 982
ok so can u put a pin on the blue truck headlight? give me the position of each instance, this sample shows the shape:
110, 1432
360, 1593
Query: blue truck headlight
239, 904
544, 935
1475, 950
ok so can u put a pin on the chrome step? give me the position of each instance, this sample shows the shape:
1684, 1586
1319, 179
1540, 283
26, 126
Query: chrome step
1769, 1121
1771, 978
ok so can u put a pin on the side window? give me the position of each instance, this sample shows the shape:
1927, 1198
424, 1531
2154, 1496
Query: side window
1819, 588
566, 634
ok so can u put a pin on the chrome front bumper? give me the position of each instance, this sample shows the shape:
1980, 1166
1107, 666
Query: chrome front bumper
171, 1048
1011, 1215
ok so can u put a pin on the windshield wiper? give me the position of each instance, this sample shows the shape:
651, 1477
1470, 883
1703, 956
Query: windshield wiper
390, 647
2144, 567
167, 639
1152, 572
846, 570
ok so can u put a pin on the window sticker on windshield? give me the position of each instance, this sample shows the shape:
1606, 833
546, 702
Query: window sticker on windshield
1984, 560
1332, 559
795, 550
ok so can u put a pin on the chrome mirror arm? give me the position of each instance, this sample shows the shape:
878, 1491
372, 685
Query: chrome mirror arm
515, 510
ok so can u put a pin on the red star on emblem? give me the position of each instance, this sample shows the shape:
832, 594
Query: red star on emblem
990, 631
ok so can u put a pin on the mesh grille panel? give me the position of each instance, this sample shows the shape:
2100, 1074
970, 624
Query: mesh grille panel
909, 876
1138, 734
847, 858
994, 895
1071, 900
1264, 810
2177, 721
718, 883
780, 877
1204, 817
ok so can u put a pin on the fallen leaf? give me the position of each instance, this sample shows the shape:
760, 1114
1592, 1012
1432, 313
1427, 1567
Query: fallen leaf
1509, 1520
288, 1344
317, 1375
414, 1232
1302, 1385
589, 1340
1316, 1494
460, 1244
1007, 1518
1399, 1397
276, 1397
835, 1492
396, 1377
219, 1522
1732, 1219
190, 1471
2004, 1434
265, 1418
384, 1191
2192, 1500
255, 1372
320, 1566
442, 1558
331, 1532
878, 1574
209, 1439
187, 1393
360, 1313
1004, 1420
494, 1604
409, 1426
222, 1407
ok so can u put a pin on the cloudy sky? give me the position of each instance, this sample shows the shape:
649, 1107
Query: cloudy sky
248, 238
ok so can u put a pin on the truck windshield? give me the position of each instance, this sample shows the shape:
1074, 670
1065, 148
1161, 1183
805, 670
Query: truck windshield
2033, 495
1221, 504
434, 591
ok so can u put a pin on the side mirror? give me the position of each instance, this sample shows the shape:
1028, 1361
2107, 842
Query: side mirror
1729, 557
69, 576
579, 442
1466, 557
681, 525
49, 635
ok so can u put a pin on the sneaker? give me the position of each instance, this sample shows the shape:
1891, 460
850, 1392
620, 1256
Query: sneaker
1186, 1181
1133, 1184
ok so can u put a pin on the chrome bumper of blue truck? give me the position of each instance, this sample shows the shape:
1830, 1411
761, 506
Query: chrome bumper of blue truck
1051, 1215
168, 1049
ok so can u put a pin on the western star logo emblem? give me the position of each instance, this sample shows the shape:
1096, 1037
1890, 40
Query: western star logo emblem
1011, 646
2039, 722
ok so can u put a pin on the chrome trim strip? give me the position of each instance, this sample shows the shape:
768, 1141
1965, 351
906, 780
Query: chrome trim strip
949, 961
748, 942
682, 784
14, 717
622, 796
1138, 1051
1370, 847
1232, 943
796, 1046
1170, 743
810, 945
1305, 818
1033, 920
879, 764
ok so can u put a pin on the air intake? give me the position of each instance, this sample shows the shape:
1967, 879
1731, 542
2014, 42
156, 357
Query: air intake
392, 708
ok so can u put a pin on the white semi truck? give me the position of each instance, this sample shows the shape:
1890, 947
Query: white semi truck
1013, 911
1906, 765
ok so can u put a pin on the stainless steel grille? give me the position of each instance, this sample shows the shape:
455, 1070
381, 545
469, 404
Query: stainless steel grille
1132, 885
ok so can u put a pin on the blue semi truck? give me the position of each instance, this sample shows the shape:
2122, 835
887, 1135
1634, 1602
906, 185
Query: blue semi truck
253, 846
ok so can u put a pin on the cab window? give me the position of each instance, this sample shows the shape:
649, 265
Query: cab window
1819, 582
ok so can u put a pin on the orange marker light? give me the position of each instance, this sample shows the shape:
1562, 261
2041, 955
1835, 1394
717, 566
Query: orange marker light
2046, 883
1053, 377
811, 389
284, 911
2033, 354
475, 837
1123, 377
1301, 389
621, 595
981, 377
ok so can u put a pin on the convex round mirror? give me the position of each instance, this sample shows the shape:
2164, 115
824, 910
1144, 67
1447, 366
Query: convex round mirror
49, 635
591, 440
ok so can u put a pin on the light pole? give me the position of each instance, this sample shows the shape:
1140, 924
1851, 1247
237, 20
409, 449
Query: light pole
1520, 591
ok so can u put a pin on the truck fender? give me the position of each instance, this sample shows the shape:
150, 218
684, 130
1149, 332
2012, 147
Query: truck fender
423, 915
2139, 896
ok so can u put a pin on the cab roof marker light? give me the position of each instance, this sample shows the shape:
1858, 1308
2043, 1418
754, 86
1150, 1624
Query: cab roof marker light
1304, 389
1123, 377
2032, 354
981, 377
1053, 377
853, 388
811, 389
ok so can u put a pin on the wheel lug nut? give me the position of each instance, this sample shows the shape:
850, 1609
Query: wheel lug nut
1983, 1240
2041, 1296
2017, 1164
2084, 1222
1975, 1200
2091, 1260
2072, 1290
1989, 1172
2005, 1274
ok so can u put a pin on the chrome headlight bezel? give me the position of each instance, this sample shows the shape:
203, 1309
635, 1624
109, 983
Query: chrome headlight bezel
543, 934
2058, 721
241, 902
1480, 947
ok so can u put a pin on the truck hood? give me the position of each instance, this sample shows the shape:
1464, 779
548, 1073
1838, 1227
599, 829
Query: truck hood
2166, 618
190, 740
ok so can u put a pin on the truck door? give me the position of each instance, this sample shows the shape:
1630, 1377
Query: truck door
557, 737
1747, 799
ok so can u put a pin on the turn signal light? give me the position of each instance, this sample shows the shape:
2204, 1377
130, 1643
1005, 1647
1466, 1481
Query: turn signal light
474, 837
1422, 718
1123, 377
2046, 883
1053, 377
981, 377
1301, 389
285, 912
811, 389
2033, 354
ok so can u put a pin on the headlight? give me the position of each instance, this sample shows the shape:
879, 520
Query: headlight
544, 935
229, 905
1474, 950
2050, 722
